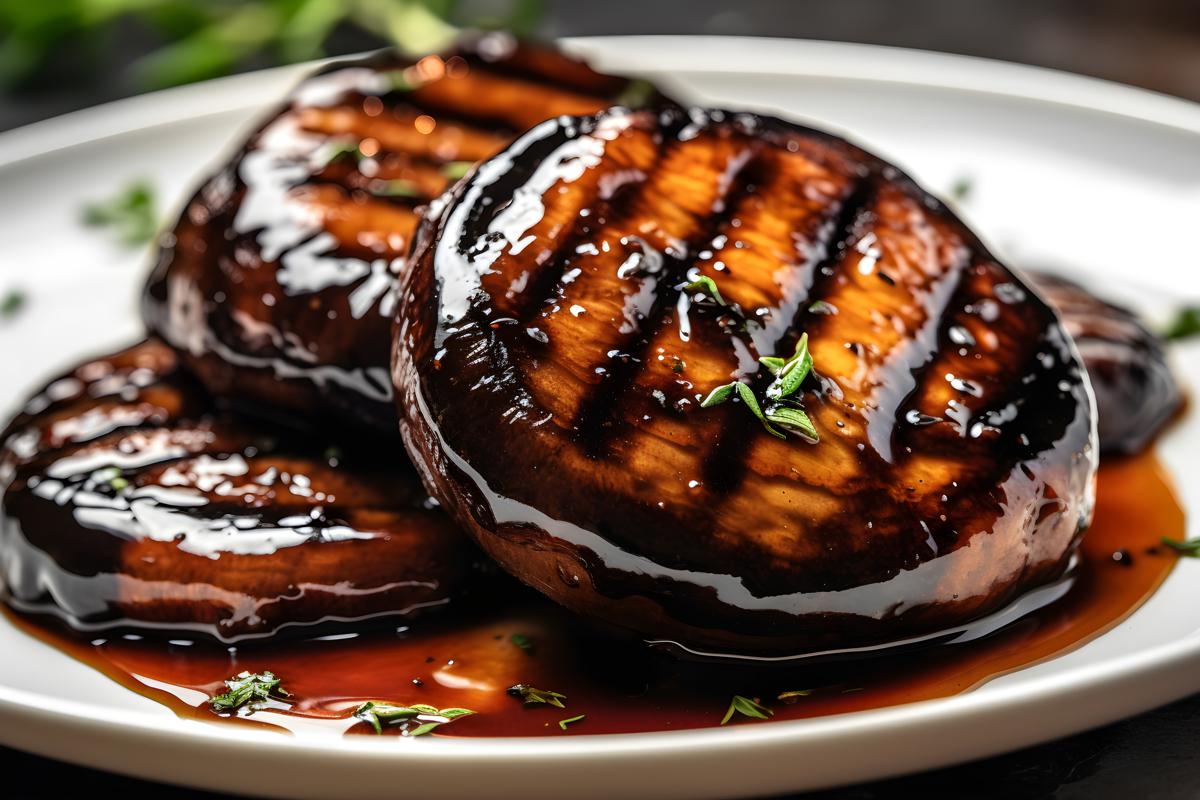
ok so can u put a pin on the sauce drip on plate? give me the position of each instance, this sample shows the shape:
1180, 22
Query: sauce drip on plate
510, 636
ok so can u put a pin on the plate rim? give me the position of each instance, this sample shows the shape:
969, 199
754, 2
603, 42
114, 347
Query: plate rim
692, 54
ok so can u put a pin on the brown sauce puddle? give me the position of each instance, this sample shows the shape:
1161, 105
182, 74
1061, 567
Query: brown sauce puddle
621, 688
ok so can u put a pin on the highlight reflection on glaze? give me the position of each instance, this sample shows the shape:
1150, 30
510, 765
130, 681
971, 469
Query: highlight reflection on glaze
129, 502
277, 283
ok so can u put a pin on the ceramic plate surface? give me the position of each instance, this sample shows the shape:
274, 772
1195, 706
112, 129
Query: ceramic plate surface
1068, 173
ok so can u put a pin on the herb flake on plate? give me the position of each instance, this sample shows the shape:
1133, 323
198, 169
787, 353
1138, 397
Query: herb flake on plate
248, 691
747, 707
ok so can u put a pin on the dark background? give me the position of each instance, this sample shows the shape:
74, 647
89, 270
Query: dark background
1153, 43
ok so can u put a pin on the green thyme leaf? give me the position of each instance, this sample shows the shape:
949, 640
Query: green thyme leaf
380, 713
821, 307
1185, 325
248, 690
775, 365
706, 285
14, 300
793, 420
718, 395
118, 483
457, 169
563, 723
532, 696
130, 214
395, 188
522, 641
791, 373
746, 395
960, 190
1189, 547
747, 708
637, 94
793, 696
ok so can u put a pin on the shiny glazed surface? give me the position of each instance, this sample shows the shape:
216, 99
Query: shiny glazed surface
550, 371
468, 657
128, 502
276, 282
1136, 392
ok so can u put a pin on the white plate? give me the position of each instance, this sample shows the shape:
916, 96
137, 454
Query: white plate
1068, 172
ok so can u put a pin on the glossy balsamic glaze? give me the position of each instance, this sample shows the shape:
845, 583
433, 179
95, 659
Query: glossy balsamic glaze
469, 659
551, 367
127, 501
1136, 392
276, 283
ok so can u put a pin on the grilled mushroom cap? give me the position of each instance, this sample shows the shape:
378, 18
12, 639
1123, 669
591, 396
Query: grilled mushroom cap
551, 365
1136, 392
128, 502
276, 283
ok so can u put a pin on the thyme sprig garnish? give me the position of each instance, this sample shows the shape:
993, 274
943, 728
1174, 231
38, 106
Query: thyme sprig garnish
781, 412
250, 691
380, 713
747, 707
1187, 547
532, 696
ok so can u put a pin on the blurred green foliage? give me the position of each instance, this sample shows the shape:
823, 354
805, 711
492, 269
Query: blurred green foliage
201, 39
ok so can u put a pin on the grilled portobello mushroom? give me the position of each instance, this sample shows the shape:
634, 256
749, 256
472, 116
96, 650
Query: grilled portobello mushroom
1136, 392
128, 502
573, 306
276, 283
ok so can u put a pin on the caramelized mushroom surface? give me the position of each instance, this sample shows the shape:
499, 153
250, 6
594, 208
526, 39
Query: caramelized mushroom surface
127, 501
573, 304
276, 283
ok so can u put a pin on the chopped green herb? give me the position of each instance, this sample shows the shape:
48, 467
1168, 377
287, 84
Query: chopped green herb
343, 147
379, 713
14, 300
1189, 547
531, 696
706, 285
457, 169
118, 483
747, 708
960, 190
793, 420
395, 188
248, 690
793, 696
746, 395
563, 723
821, 307
130, 214
637, 94
677, 365
791, 373
522, 641
1185, 324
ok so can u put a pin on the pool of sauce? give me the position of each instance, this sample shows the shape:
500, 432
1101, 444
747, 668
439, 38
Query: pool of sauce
469, 658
